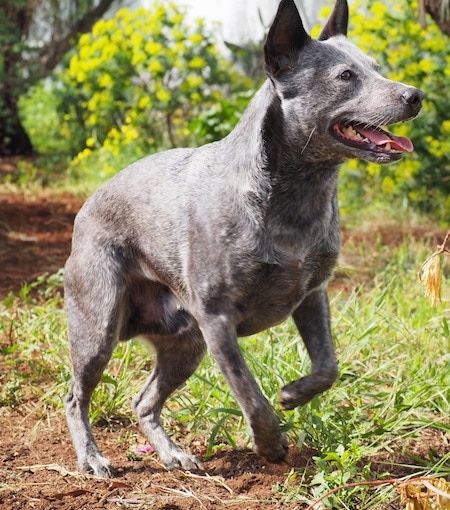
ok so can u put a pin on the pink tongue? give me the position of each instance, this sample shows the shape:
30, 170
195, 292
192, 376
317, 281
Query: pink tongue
400, 143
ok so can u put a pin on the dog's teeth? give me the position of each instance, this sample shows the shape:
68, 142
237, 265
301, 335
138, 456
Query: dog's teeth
350, 132
388, 146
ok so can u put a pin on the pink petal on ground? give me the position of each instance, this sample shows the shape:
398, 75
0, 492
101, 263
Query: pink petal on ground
142, 450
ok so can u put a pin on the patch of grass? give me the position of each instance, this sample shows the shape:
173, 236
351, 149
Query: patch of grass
387, 415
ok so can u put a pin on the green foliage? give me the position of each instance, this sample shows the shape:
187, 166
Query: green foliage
138, 83
41, 119
390, 32
217, 120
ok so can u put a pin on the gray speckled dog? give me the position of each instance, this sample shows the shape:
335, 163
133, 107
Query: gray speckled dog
192, 248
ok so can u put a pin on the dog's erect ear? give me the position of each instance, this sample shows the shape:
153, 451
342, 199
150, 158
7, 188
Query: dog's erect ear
286, 38
338, 22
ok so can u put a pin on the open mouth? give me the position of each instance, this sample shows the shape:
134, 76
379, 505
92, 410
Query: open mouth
371, 138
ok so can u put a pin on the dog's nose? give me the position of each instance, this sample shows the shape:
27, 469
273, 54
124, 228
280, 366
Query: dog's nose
412, 96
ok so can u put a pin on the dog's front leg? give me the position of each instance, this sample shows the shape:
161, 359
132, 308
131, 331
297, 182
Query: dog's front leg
312, 318
221, 339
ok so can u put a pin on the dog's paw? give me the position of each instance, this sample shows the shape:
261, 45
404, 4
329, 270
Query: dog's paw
180, 460
292, 396
98, 466
300, 392
275, 451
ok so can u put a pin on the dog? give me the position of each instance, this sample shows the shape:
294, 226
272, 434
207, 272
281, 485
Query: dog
193, 248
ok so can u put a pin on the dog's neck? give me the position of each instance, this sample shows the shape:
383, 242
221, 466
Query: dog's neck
264, 140
291, 188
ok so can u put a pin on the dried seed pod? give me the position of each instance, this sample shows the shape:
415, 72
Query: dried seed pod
430, 277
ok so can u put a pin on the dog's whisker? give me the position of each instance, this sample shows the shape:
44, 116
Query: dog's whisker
308, 140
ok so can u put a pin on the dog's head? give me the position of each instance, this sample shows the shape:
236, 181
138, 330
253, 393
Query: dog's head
332, 95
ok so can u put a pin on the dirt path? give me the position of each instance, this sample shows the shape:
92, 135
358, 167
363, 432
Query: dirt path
35, 235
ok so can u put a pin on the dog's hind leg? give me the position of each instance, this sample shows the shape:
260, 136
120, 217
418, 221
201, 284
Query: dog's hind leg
93, 317
177, 357
312, 318
85, 378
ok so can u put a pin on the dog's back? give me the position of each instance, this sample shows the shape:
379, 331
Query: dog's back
194, 247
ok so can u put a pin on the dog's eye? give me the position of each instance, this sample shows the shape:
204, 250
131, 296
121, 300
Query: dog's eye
347, 75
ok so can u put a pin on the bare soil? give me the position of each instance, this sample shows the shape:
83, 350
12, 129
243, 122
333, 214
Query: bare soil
37, 462
35, 234
38, 472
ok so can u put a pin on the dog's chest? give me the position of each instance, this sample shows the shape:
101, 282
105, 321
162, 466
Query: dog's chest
274, 291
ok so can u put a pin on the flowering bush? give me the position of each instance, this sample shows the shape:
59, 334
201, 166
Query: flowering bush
390, 31
138, 82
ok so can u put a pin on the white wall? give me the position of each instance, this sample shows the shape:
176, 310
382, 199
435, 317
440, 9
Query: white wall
240, 19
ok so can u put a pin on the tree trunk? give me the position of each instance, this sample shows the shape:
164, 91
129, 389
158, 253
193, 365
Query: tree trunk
13, 137
435, 9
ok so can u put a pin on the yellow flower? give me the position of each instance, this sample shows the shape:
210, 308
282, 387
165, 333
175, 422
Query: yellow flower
85, 52
388, 185
197, 63
144, 102
138, 58
373, 169
155, 66
445, 127
177, 19
163, 95
153, 48
80, 76
105, 81
130, 133
194, 81
84, 40
92, 120
378, 9
196, 38
178, 35
137, 40
109, 50
427, 65
98, 28
84, 154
